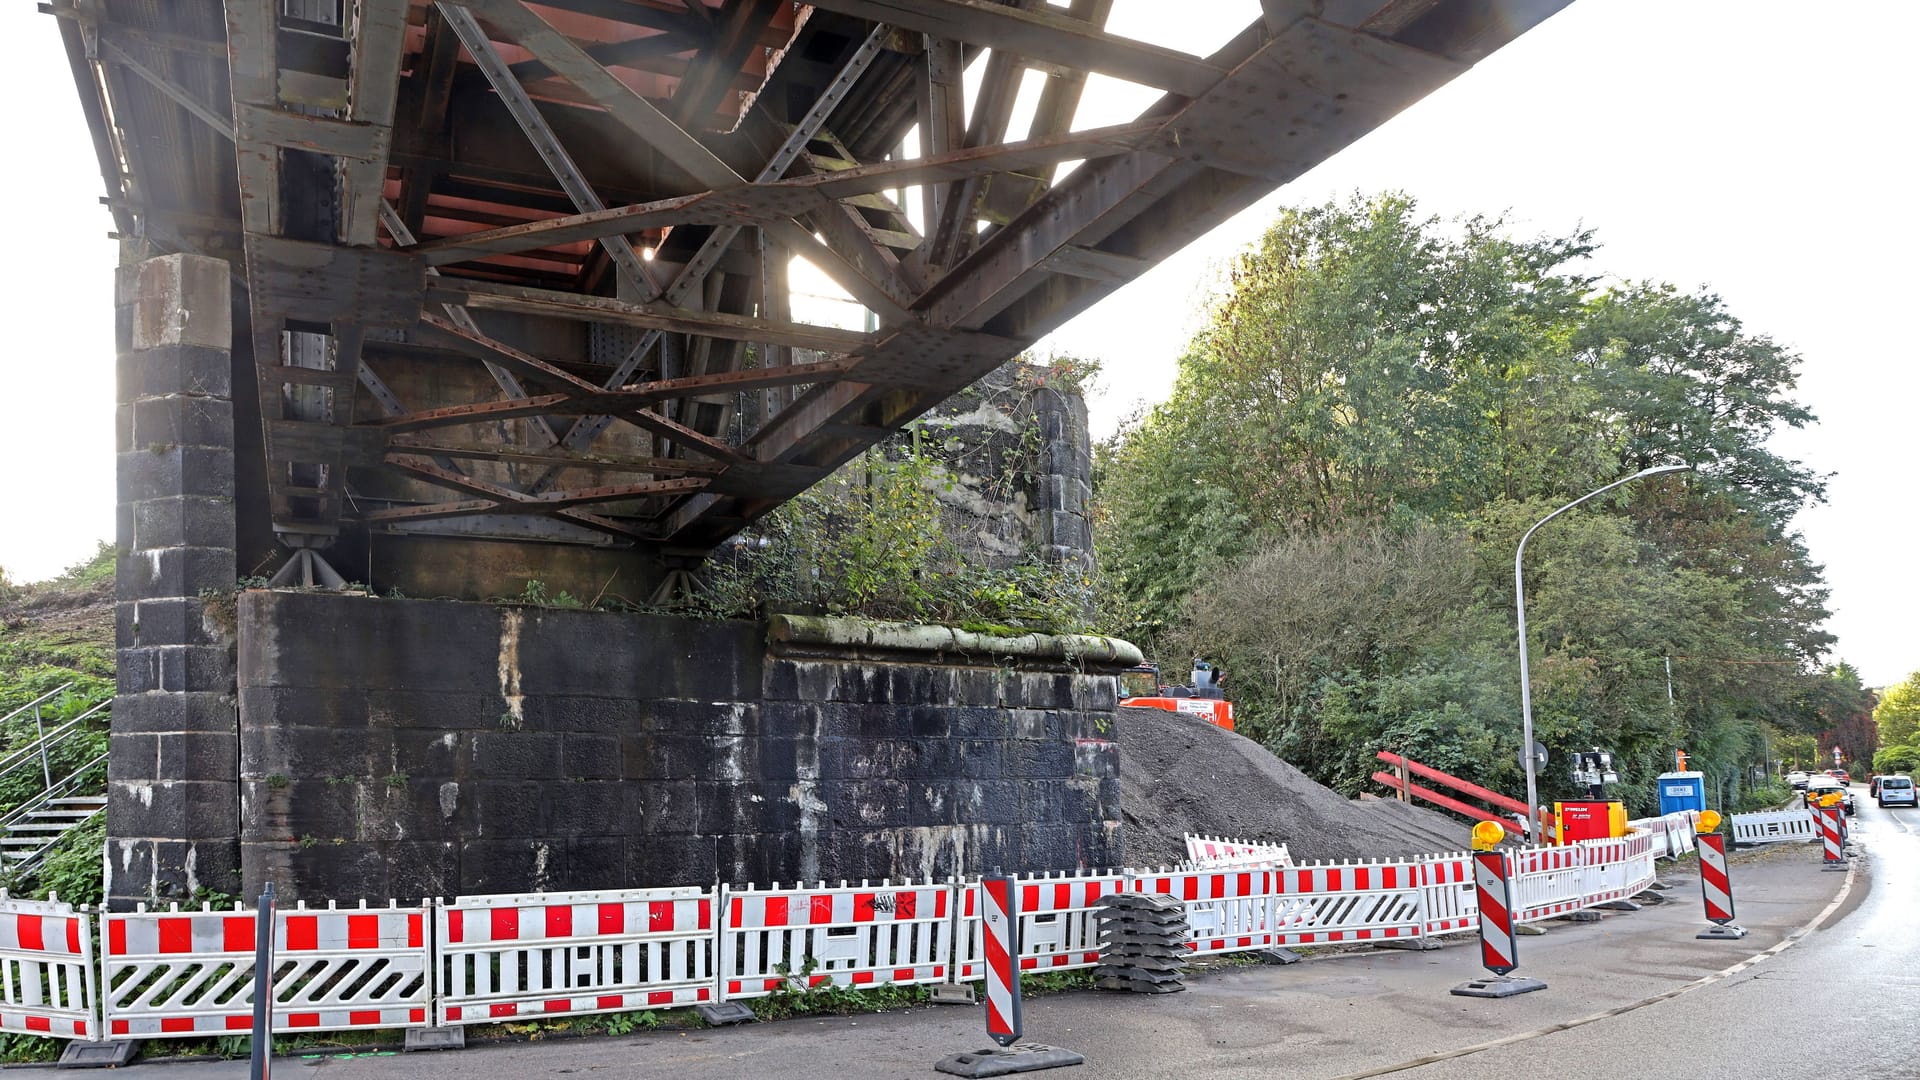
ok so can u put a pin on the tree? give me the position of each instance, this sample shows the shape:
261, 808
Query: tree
1898, 713
1378, 406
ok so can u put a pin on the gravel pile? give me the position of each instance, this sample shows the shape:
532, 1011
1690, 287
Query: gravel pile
1181, 775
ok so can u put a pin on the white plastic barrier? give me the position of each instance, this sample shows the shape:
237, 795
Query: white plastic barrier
46, 969
1323, 903
1449, 903
1672, 833
1218, 853
898, 935
565, 954
1059, 930
1775, 826
1227, 910
1617, 867
1548, 881
191, 972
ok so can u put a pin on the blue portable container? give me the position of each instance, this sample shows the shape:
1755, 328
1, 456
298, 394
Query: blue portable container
1682, 791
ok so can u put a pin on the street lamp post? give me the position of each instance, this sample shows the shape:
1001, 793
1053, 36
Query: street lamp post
1520, 605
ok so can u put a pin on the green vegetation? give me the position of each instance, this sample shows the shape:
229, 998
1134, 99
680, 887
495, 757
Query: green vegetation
53, 633
877, 540
58, 631
1378, 408
1896, 721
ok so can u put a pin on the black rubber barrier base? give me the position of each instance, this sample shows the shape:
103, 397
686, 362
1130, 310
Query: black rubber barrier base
439, 1038
1723, 933
727, 1012
1498, 986
1018, 1058
98, 1055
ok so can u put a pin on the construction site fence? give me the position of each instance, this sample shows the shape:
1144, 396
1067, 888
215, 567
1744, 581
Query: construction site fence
488, 959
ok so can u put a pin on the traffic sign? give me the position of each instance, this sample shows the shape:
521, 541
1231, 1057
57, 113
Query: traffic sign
1539, 756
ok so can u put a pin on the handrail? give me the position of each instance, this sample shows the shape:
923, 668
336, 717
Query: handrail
32, 751
41, 700
60, 787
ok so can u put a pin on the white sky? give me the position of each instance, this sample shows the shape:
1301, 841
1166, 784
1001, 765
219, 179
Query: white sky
1759, 147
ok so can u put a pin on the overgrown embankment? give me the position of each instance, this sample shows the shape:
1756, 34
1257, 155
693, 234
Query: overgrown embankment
54, 633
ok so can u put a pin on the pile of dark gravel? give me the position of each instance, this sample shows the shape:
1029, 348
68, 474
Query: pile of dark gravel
1182, 775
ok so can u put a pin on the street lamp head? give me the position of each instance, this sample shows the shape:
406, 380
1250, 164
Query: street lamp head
1658, 469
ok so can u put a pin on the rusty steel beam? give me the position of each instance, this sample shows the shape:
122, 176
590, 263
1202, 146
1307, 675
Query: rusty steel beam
528, 301
773, 201
584, 430
701, 165
589, 398
651, 465
1041, 35
514, 96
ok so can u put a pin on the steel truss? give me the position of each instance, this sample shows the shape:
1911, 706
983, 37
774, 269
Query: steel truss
519, 269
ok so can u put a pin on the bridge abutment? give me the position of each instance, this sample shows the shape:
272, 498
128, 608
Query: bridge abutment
416, 748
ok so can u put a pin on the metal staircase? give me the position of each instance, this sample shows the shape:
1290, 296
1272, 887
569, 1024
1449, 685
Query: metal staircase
66, 798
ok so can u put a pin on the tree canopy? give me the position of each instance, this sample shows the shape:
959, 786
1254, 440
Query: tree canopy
1379, 405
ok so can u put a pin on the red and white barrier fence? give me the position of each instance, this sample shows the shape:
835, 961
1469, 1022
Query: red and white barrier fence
180, 972
1214, 853
1057, 930
1347, 902
568, 954
893, 935
46, 969
1448, 902
489, 958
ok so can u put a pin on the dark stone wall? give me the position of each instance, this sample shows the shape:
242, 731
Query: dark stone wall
1017, 453
172, 798
412, 748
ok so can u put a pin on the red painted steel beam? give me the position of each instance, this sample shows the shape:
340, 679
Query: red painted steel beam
1454, 805
1464, 786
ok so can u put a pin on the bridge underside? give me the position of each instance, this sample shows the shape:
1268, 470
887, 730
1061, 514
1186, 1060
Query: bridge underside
522, 271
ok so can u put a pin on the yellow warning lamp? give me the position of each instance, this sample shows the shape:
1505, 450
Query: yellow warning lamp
1487, 835
1831, 798
1707, 822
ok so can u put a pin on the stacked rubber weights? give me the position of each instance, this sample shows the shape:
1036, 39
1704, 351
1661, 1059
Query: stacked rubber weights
1142, 944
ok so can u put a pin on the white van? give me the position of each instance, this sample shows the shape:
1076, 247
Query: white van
1898, 791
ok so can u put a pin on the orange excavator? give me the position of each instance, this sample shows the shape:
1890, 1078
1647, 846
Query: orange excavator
1203, 698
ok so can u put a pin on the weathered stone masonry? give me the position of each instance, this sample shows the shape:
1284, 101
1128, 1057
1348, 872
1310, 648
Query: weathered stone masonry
173, 802
412, 748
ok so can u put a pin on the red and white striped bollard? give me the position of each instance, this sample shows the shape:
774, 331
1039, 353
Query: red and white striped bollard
1000, 942
1835, 853
1716, 888
1499, 950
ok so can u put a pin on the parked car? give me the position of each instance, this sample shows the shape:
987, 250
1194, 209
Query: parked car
1798, 779
1841, 775
1898, 791
1819, 787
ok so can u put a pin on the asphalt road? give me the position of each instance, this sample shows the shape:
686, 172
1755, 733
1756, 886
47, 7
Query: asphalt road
1841, 1003
1834, 1002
